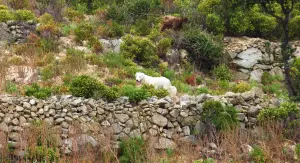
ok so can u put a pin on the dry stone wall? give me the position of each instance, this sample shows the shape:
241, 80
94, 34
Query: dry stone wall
161, 118
14, 31
253, 56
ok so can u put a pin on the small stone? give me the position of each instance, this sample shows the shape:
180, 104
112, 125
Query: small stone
32, 102
159, 120
164, 143
19, 108
122, 117
26, 105
59, 120
186, 130
213, 146
15, 122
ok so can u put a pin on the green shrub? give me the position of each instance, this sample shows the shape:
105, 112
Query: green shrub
135, 94
163, 46
295, 73
73, 15
170, 74
37, 91
202, 90
50, 71
257, 155
46, 19
297, 150
6, 15
85, 86
108, 94
138, 9
3, 7
222, 72
140, 49
24, 15
84, 31
181, 87
113, 81
116, 60
214, 24
241, 87
222, 117
142, 27
49, 45
11, 87
198, 80
273, 88
132, 150
204, 52
95, 44
266, 78
94, 59
282, 112
160, 93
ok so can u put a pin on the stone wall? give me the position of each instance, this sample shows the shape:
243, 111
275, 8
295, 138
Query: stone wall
14, 31
161, 118
253, 56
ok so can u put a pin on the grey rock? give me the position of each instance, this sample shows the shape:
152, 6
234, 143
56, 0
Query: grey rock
258, 92
256, 75
213, 146
26, 105
164, 143
117, 128
248, 58
248, 95
19, 108
32, 102
159, 120
241, 116
122, 117
186, 130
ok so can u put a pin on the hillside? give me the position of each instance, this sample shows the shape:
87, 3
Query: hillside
69, 91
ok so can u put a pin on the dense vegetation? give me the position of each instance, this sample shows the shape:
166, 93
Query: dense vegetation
96, 73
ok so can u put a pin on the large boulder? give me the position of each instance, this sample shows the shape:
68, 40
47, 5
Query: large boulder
111, 45
248, 58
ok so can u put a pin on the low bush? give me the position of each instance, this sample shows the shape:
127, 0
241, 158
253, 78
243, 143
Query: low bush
266, 78
84, 31
202, 90
135, 94
50, 71
37, 91
132, 150
140, 49
222, 72
241, 87
222, 117
257, 155
11, 87
282, 112
204, 52
170, 74
95, 44
48, 27
160, 93
163, 46
297, 150
3, 7
6, 15
73, 15
85, 86
24, 15
295, 73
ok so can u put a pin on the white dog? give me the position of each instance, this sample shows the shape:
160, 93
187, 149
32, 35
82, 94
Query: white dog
157, 82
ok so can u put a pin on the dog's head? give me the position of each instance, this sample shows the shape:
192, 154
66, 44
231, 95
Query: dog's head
139, 77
